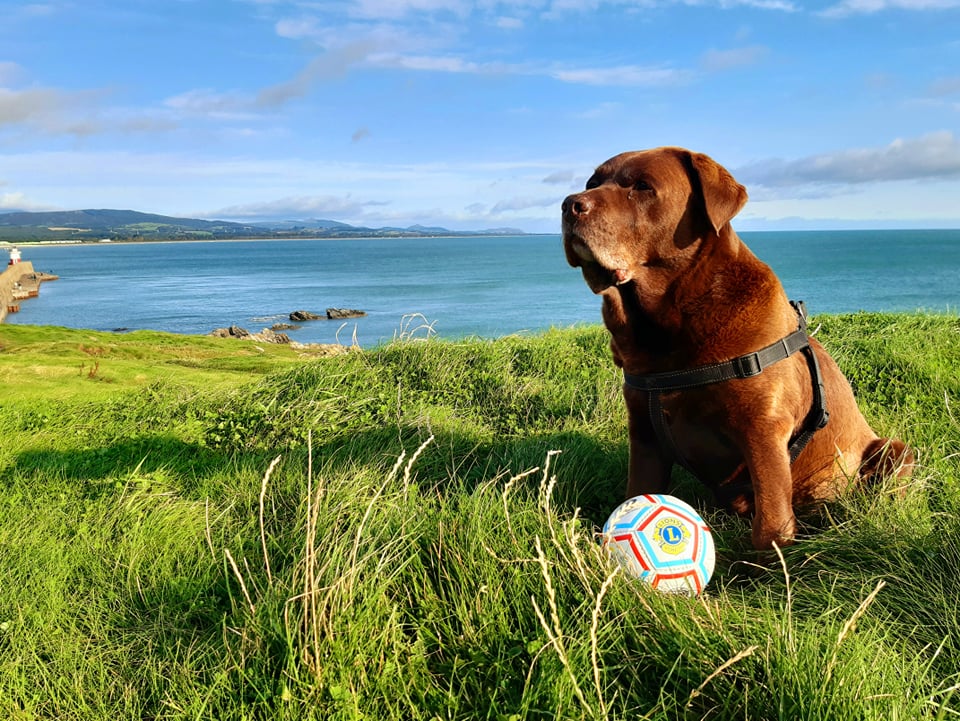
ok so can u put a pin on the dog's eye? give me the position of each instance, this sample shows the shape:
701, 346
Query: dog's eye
642, 185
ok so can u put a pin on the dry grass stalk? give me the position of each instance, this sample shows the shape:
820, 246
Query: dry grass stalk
409, 468
850, 625
553, 629
236, 572
723, 667
507, 487
791, 641
263, 533
594, 642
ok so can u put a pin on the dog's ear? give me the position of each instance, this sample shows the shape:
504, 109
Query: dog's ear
723, 197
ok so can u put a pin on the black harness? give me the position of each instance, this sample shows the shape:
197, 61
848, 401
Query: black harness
745, 366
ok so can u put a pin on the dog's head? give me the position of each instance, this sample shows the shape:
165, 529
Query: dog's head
643, 209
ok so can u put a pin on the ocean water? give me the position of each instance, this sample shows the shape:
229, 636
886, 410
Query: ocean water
452, 287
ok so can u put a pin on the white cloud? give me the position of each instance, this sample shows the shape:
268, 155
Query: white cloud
866, 7
19, 201
781, 5
373, 194
84, 113
210, 103
25, 105
718, 60
427, 63
559, 6
934, 156
369, 51
140, 123
560, 177
390, 33
946, 86
520, 203
10, 73
295, 208
626, 75
298, 28
603, 110
329, 65
861, 206
325, 22
379, 9
26, 12
622, 75
50, 111
38, 9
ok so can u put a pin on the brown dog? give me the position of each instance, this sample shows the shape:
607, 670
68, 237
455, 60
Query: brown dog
720, 375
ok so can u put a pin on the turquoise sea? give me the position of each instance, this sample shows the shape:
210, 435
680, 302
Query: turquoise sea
455, 287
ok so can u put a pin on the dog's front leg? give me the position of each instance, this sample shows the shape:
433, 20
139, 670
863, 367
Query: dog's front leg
773, 520
648, 473
649, 470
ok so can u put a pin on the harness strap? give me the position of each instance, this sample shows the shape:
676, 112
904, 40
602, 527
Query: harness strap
745, 366
818, 416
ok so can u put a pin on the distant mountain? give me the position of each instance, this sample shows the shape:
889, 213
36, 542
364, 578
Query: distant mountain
113, 225
425, 229
95, 225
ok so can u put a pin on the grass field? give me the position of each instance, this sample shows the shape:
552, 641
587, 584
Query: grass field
197, 528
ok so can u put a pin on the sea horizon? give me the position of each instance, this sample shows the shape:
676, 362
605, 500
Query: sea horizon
484, 286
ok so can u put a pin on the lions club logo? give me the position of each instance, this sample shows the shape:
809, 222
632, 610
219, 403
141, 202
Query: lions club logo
672, 536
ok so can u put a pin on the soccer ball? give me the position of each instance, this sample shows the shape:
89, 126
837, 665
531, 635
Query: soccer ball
663, 541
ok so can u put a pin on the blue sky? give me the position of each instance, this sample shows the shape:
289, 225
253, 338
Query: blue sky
477, 114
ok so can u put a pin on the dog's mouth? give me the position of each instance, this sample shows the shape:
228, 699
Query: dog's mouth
600, 273
600, 279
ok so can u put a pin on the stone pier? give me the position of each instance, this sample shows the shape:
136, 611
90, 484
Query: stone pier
19, 282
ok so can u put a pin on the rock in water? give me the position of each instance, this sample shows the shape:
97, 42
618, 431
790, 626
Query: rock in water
267, 335
233, 331
341, 313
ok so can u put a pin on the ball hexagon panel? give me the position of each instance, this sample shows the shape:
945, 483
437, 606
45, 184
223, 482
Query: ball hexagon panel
663, 541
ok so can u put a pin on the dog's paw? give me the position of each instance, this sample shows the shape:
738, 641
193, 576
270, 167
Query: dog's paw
766, 534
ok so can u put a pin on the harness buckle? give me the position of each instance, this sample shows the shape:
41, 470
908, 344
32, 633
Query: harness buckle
749, 365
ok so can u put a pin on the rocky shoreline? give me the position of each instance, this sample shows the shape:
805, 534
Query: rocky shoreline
20, 281
272, 334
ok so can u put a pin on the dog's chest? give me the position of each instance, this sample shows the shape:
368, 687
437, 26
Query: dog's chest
689, 428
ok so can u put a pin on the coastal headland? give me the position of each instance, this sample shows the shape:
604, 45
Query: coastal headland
19, 281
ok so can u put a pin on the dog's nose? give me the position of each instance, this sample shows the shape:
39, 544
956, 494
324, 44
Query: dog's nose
577, 205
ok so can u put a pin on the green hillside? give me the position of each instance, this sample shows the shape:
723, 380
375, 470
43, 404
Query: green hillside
197, 528
96, 225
